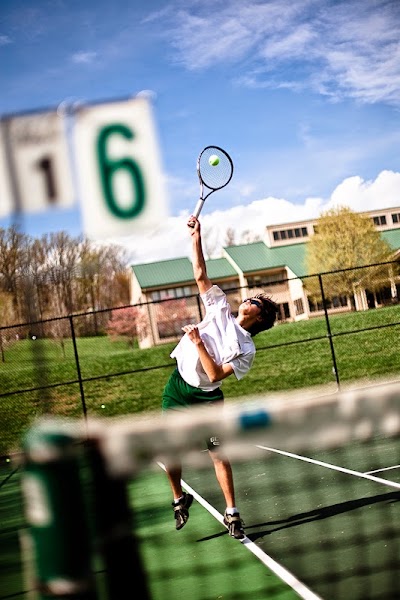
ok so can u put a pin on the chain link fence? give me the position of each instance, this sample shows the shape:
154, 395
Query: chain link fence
332, 327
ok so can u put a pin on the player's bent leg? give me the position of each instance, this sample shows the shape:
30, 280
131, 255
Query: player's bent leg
223, 471
174, 474
182, 501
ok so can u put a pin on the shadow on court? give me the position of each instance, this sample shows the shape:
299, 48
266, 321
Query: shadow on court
321, 513
318, 514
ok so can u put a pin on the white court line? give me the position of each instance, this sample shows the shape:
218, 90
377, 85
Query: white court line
302, 590
381, 470
386, 482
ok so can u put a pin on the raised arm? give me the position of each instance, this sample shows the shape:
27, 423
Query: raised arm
213, 371
199, 264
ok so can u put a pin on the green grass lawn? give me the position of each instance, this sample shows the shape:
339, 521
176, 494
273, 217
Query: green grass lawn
288, 357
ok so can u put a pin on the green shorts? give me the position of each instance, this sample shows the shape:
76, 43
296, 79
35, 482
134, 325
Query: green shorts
178, 394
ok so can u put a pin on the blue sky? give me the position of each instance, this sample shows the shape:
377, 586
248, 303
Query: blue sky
304, 94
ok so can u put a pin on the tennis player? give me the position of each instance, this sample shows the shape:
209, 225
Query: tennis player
220, 346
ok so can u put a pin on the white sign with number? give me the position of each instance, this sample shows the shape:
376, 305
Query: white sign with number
121, 184
6, 195
36, 173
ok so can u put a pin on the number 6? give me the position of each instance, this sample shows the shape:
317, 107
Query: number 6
109, 167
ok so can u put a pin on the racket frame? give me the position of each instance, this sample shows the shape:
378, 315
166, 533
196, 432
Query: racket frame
202, 199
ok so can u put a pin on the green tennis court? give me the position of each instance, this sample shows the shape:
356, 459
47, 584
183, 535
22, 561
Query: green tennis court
321, 522
176, 567
336, 535
11, 519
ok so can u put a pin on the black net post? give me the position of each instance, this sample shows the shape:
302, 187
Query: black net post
55, 514
114, 535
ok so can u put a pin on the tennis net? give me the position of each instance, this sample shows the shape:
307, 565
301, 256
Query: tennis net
317, 483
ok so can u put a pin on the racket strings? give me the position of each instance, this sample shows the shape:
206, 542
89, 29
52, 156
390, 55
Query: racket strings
215, 177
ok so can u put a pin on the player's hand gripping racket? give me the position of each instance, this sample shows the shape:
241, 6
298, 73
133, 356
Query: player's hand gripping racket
215, 170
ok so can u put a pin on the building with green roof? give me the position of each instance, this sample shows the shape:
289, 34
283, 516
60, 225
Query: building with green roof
276, 265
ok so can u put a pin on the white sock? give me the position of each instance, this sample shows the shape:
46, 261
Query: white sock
177, 500
231, 510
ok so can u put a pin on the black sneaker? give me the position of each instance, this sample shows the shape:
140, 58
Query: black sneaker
235, 526
181, 510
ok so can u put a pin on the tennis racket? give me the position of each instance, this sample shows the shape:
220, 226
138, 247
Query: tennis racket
212, 177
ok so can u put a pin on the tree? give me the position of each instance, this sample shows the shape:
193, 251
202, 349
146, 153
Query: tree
114, 284
62, 258
210, 241
13, 246
57, 275
246, 237
101, 280
35, 278
173, 314
124, 323
249, 237
346, 240
230, 237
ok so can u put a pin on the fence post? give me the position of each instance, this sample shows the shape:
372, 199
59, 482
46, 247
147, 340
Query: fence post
3, 358
328, 327
78, 367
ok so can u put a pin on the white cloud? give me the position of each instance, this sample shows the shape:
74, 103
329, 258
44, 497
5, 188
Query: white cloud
157, 15
362, 195
5, 40
342, 49
86, 58
205, 37
171, 240
150, 95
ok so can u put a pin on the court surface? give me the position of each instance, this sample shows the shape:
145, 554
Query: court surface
325, 525
336, 538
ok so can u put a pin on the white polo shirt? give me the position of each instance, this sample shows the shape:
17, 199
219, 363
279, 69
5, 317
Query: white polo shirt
225, 340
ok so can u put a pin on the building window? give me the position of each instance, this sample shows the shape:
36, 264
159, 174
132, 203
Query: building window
289, 234
380, 220
283, 311
227, 285
170, 294
260, 281
254, 281
181, 292
338, 301
167, 294
299, 306
335, 302
396, 217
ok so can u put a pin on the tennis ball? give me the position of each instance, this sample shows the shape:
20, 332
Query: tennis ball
213, 160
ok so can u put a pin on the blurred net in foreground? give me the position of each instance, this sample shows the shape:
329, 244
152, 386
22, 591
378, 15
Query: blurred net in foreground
317, 483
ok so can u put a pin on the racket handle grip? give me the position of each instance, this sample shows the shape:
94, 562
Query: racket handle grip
198, 209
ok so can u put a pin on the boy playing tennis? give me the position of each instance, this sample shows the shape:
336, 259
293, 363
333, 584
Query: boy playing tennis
216, 348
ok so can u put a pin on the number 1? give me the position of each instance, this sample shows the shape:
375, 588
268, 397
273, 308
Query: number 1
46, 165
